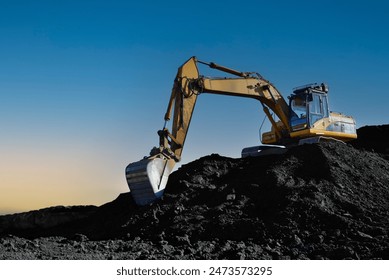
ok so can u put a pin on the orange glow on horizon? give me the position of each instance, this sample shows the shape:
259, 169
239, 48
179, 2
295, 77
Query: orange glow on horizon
35, 180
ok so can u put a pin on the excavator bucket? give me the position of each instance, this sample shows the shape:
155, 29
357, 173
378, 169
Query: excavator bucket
147, 179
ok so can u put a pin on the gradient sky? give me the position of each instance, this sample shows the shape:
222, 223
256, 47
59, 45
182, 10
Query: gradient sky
84, 85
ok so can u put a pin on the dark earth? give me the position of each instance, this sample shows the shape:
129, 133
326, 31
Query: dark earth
316, 201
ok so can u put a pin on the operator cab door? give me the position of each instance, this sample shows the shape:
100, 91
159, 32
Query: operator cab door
317, 107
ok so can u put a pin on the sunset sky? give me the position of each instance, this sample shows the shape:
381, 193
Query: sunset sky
84, 85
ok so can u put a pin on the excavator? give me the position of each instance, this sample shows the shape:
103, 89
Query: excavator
305, 118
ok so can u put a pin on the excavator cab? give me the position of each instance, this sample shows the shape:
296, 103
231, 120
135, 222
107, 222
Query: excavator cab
311, 120
308, 104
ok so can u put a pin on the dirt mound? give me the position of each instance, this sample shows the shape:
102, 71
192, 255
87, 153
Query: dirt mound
44, 218
318, 201
374, 139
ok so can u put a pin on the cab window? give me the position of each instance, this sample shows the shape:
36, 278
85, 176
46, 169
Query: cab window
316, 108
298, 118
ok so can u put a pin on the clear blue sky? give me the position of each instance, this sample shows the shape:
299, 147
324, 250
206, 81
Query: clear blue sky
84, 84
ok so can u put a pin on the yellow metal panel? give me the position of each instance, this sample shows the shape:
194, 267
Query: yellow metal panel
318, 132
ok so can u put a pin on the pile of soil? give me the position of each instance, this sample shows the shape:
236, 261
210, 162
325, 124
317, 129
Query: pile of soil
374, 139
316, 201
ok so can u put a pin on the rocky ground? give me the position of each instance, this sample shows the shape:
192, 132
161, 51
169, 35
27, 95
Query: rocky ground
319, 201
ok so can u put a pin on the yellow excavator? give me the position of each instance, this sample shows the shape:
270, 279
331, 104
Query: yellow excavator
304, 119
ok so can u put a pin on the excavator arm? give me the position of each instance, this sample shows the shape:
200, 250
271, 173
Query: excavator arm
148, 177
